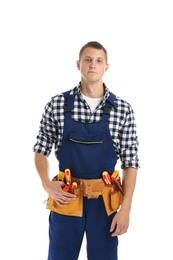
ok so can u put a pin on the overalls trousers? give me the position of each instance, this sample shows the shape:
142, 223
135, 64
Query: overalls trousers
87, 150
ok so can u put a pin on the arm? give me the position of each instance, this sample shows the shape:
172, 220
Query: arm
130, 164
53, 188
121, 219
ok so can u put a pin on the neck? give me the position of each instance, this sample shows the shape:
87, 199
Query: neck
93, 90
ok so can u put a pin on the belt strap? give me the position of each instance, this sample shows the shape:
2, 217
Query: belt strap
92, 188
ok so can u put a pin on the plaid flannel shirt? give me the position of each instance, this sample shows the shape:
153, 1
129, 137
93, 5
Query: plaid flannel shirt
121, 124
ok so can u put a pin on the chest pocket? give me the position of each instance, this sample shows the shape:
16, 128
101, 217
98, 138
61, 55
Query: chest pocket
92, 138
86, 154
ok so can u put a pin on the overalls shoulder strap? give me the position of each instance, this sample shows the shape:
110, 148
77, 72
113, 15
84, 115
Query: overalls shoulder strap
68, 104
110, 102
69, 101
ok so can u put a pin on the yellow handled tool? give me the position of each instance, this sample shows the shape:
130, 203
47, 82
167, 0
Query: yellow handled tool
61, 176
74, 185
115, 174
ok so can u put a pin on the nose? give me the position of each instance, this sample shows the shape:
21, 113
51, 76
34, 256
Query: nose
92, 64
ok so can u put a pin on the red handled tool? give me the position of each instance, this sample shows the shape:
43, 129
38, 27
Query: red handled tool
67, 175
116, 181
106, 177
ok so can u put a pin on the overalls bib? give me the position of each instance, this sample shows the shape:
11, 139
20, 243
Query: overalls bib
87, 150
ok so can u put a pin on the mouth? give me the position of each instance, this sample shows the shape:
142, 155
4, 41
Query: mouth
93, 72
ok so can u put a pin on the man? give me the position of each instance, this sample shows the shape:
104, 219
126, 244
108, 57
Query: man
91, 129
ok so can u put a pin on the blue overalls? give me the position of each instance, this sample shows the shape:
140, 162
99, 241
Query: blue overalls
87, 150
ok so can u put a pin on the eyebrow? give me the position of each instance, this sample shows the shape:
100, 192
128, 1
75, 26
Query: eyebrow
92, 57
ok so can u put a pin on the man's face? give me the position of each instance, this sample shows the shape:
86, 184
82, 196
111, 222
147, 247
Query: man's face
92, 64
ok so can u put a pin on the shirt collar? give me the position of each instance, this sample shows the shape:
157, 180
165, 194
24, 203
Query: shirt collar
77, 90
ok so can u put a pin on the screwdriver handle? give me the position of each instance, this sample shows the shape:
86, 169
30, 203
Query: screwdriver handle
74, 185
117, 182
115, 174
106, 177
61, 176
67, 176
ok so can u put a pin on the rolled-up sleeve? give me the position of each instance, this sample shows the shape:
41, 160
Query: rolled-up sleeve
47, 134
129, 141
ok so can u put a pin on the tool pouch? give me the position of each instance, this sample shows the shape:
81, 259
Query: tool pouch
74, 208
112, 198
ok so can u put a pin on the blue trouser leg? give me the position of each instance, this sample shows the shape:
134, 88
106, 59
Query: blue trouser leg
100, 244
66, 234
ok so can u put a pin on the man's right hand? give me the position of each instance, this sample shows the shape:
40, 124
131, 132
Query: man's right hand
55, 191
53, 188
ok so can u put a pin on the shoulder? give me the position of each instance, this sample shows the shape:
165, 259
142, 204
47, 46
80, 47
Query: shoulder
58, 99
117, 102
54, 103
61, 96
122, 103
122, 106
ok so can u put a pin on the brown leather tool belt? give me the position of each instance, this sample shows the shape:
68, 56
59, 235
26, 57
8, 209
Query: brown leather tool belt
91, 189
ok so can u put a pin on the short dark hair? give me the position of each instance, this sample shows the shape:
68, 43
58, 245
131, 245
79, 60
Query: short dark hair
93, 44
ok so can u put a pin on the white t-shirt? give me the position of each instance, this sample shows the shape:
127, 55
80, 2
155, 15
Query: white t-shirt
92, 102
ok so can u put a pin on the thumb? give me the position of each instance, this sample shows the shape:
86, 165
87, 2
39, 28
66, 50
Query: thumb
62, 184
113, 225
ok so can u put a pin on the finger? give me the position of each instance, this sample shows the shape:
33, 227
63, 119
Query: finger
115, 230
67, 200
59, 203
68, 195
63, 201
116, 233
62, 183
113, 226
119, 232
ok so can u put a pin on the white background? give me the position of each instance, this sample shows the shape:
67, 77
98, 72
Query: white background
39, 46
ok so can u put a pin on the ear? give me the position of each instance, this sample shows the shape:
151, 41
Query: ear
106, 67
78, 64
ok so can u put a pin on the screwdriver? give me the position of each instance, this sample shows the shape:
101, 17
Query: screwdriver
67, 175
118, 184
106, 177
115, 174
74, 185
61, 176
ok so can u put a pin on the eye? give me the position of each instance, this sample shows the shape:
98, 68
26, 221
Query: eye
87, 59
99, 61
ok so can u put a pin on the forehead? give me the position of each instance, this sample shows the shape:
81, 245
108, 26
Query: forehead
94, 53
